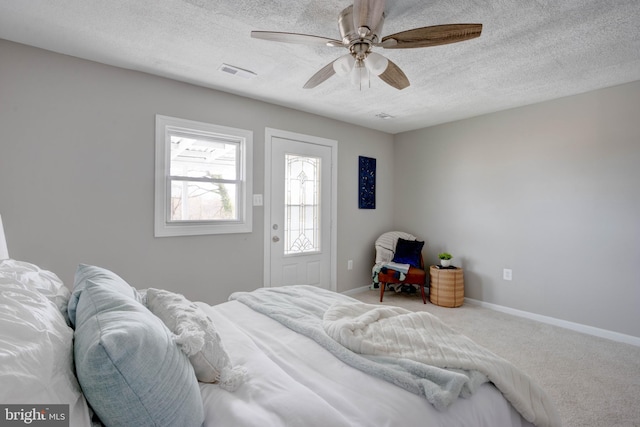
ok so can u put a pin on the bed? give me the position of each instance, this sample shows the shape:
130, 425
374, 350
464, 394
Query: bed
124, 356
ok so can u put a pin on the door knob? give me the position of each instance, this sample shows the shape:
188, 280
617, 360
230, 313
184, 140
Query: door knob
275, 239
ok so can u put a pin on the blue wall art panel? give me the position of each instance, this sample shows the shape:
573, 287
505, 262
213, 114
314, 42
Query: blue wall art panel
367, 183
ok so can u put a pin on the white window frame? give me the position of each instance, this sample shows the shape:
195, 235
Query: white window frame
163, 227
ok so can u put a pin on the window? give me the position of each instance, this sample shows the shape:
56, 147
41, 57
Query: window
203, 178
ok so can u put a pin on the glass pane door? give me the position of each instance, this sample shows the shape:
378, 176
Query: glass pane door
302, 204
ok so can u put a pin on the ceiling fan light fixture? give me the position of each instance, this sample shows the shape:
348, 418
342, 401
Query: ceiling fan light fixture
376, 63
360, 26
343, 65
360, 76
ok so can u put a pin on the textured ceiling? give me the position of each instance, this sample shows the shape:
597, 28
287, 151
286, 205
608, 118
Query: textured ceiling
529, 51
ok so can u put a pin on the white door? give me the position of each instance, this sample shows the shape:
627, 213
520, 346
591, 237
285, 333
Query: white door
299, 210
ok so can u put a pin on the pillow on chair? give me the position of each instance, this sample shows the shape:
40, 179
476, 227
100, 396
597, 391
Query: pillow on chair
408, 252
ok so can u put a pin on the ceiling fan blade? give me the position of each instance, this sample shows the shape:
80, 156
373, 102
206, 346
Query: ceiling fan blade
367, 13
394, 76
322, 75
432, 36
294, 38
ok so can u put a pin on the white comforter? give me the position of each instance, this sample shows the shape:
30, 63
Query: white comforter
421, 337
292, 381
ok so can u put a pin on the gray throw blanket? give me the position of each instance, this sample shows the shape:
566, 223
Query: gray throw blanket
415, 351
302, 308
423, 338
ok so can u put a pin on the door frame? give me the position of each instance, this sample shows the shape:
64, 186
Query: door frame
269, 134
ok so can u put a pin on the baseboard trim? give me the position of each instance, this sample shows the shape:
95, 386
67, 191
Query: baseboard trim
356, 290
578, 327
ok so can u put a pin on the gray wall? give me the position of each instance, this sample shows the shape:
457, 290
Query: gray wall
551, 191
77, 175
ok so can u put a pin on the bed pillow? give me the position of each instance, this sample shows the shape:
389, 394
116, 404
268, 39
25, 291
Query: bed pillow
131, 371
36, 352
196, 335
32, 277
408, 252
91, 273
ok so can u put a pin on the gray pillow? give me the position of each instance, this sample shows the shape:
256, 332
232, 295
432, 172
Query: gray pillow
129, 368
86, 273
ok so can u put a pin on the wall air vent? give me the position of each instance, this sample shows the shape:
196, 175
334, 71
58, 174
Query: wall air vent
237, 71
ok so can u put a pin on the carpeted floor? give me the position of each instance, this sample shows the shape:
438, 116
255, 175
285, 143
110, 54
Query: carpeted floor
594, 381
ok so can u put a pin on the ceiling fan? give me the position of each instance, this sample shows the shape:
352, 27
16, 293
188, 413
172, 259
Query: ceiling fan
360, 26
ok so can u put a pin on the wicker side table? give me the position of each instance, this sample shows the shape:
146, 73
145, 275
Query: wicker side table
447, 286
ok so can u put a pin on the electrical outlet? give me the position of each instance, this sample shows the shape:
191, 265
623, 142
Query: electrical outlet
350, 264
507, 274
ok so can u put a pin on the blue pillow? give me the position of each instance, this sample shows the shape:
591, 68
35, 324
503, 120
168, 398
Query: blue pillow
86, 273
408, 252
130, 370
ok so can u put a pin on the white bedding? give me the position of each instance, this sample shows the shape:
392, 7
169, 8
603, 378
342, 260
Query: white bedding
36, 354
292, 381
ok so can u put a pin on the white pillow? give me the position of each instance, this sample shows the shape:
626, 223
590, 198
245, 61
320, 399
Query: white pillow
36, 352
196, 335
30, 276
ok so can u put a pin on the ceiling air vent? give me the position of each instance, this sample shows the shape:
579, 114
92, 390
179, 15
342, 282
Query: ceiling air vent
237, 71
